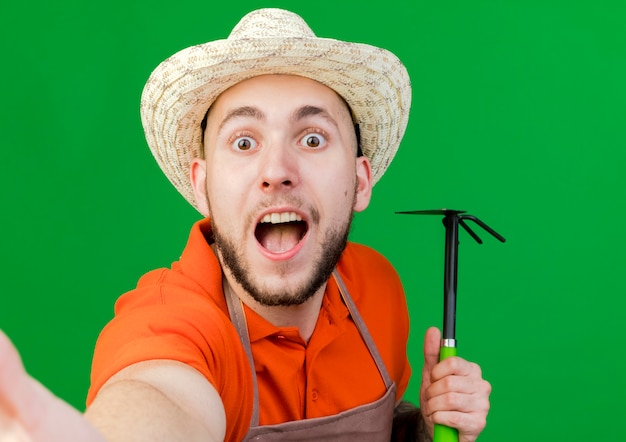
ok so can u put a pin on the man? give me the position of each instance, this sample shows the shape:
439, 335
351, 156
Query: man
270, 326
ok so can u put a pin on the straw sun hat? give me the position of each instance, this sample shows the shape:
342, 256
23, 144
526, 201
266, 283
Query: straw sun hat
177, 95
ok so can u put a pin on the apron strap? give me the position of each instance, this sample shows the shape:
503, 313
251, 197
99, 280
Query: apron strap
365, 334
238, 318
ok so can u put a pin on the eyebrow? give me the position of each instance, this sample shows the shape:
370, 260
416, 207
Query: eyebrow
243, 111
308, 110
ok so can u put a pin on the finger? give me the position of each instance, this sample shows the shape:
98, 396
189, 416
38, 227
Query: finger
466, 384
12, 378
469, 425
455, 400
455, 366
432, 340
465, 412
22, 399
11, 430
26, 407
431, 358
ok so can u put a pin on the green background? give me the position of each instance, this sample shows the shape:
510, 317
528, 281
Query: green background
518, 116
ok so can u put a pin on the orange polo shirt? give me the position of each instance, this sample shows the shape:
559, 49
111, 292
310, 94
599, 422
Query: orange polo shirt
181, 314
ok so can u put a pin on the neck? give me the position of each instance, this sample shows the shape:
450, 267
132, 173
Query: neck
303, 316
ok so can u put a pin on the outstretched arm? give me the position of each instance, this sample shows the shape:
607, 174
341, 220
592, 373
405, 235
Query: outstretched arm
154, 400
159, 400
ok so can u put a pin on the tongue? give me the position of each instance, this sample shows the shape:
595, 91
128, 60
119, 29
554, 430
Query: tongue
279, 238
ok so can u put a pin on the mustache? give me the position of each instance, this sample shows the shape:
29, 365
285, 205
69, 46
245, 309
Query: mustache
283, 200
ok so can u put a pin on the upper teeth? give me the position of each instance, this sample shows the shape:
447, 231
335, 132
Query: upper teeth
284, 217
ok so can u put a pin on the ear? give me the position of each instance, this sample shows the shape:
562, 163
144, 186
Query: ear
197, 175
364, 183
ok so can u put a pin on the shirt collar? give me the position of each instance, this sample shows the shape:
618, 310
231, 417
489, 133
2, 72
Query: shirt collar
333, 309
199, 263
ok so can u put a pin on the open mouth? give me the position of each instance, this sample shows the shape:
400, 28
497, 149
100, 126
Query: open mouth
280, 232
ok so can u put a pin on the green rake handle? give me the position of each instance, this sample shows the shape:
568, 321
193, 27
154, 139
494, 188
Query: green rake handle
443, 433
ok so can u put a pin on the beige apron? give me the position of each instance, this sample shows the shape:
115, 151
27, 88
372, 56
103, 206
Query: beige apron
369, 422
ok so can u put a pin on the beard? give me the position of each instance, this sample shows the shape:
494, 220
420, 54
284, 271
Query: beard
332, 245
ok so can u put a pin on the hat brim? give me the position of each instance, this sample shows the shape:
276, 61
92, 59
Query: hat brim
179, 92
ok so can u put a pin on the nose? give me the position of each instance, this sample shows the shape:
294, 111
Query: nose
278, 167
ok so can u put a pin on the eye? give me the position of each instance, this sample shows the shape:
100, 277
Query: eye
313, 140
244, 144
